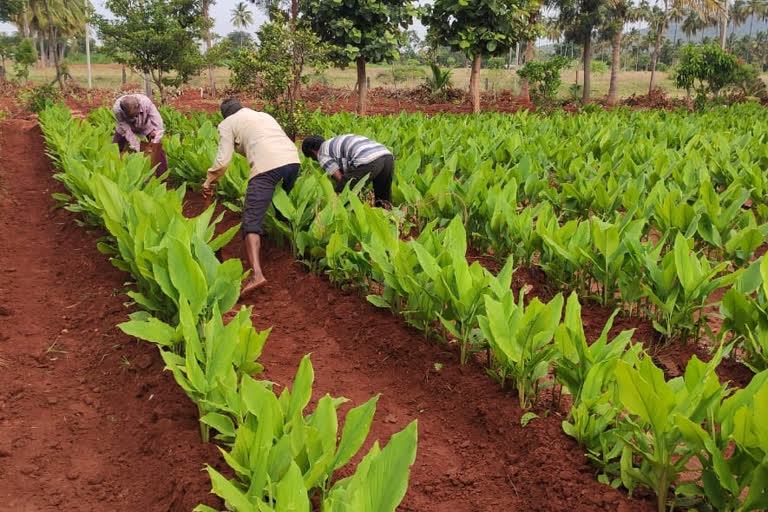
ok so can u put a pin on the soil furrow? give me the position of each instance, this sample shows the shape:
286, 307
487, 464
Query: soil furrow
88, 419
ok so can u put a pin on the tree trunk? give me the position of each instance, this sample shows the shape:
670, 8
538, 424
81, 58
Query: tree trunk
525, 93
656, 48
147, 85
211, 78
724, 25
298, 65
474, 82
125, 77
41, 53
613, 89
53, 43
587, 70
362, 88
27, 32
51, 46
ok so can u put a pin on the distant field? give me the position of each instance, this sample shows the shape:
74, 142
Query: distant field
630, 82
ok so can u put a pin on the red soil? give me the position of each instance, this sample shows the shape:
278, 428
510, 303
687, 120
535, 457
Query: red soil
88, 419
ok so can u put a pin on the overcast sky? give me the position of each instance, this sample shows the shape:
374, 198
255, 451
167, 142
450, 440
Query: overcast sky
221, 13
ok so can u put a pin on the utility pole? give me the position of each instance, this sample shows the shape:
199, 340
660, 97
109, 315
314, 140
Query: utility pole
88, 46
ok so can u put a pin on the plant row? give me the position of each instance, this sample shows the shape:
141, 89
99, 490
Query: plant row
576, 205
280, 454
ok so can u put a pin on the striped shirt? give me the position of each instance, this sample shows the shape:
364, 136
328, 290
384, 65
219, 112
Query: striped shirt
349, 151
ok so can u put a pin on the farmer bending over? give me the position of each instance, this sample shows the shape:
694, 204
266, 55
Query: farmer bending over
272, 157
137, 115
347, 158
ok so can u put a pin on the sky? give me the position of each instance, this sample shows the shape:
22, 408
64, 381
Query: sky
221, 13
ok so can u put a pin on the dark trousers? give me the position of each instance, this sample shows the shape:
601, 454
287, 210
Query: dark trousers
258, 197
160, 159
381, 170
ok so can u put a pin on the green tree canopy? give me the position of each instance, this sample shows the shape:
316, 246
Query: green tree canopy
480, 28
159, 37
580, 19
361, 31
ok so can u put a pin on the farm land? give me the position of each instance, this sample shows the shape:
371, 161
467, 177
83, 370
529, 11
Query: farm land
566, 303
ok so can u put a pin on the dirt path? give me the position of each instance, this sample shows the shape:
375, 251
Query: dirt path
88, 419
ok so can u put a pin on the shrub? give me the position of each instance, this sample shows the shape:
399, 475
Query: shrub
599, 67
24, 57
495, 63
37, 99
439, 83
544, 78
706, 70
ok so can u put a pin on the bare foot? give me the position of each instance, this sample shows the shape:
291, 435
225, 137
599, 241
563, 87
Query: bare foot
250, 285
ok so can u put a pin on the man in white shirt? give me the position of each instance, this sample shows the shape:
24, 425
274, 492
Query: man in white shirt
272, 157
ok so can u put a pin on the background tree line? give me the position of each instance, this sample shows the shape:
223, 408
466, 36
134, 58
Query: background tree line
170, 40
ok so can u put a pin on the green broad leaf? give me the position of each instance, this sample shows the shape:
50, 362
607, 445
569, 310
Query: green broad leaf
378, 301
290, 493
224, 238
152, 330
231, 494
284, 204
301, 392
220, 422
684, 264
426, 260
640, 398
106, 249
226, 285
389, 471
356, 427
195, 374
204, 508
527, 417
188, 324
186, 275
144, 301
261, 402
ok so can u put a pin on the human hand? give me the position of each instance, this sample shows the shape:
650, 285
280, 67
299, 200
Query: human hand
337, 176
207, 191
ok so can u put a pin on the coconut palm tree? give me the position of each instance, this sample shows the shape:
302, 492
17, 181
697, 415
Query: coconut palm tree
533, 19
617, 14
702, 7
754, 9
53, 20
739, 15
692, 24
241, 18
